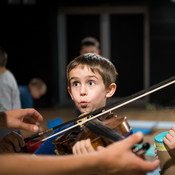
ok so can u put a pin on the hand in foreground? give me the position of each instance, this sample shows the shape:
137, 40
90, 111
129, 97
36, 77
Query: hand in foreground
27, 119
169, 140
12, 142
118, 158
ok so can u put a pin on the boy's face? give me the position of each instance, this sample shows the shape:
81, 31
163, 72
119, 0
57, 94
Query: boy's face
87, 89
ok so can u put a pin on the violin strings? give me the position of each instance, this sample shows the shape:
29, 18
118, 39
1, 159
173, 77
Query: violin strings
99, 128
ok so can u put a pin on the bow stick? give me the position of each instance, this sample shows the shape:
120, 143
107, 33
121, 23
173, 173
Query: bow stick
108, 109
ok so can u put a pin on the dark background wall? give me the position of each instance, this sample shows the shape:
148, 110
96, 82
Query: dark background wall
29, 35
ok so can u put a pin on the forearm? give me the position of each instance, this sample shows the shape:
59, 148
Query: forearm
31, 164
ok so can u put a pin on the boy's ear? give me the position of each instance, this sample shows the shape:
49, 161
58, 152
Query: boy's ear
111, 90
70, 93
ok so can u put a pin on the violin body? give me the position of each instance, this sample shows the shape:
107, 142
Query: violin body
64, 143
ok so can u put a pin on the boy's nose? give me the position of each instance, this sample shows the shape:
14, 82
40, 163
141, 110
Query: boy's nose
83, 91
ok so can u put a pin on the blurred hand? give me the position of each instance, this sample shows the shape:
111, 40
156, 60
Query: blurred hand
27, 119
119, 159
169, 140
12, 142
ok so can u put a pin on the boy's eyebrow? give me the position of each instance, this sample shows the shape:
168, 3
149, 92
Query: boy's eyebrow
89, 76
92, 76
72, 78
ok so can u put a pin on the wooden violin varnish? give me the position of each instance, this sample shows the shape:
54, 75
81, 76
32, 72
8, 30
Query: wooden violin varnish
102, 132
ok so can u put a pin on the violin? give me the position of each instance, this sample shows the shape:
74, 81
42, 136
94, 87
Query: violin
112, 129
104, 131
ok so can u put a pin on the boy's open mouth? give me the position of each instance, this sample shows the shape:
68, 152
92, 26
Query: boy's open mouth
83, 103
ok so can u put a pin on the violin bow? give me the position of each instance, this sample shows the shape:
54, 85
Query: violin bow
98, 112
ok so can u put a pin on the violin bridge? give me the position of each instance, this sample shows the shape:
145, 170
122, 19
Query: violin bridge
81, 121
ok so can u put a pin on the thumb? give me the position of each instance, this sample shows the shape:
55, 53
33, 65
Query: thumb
133, 139
29, 127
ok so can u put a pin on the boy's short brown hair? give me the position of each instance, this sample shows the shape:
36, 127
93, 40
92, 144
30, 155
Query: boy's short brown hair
97, 63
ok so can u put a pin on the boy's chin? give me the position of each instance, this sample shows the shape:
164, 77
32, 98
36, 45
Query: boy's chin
85, 110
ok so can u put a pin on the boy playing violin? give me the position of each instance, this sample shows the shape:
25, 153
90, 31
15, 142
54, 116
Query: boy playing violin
91, 81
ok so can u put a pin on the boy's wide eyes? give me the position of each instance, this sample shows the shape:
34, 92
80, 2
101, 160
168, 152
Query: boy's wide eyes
91, 83
75, 84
